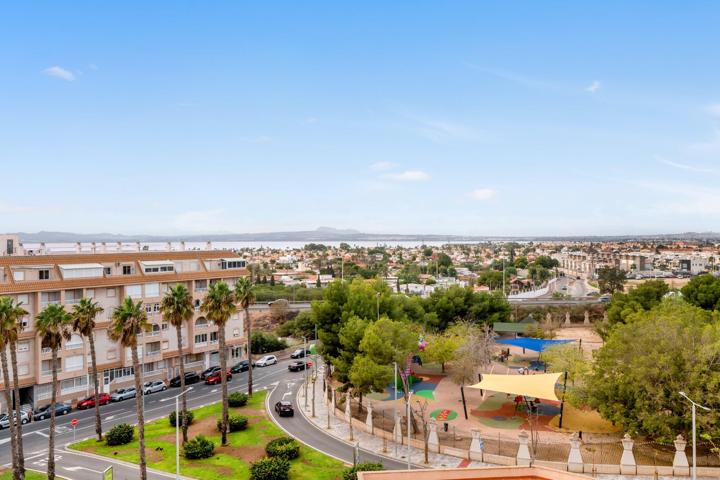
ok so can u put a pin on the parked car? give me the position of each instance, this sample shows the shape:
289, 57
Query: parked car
153, 387
300, 353
216, 377
266, 360
5, 421
209, 371
299, 365
89, 402
190, 378
242, 366
44, 412
123, 394
284, 409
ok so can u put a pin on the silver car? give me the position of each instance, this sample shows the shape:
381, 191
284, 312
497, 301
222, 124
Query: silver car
155, 386
123, 394
266, 360
5, 421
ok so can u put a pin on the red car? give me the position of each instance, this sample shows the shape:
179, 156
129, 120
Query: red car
89, 402
214, 378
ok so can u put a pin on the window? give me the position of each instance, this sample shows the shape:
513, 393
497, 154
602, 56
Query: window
200, 285
44, 275
109, 292
73, 296
201, 322
23, 299
165, 345
107, 271
152, 289
19, 276
201, 338
23, 369
213, 337
71, 385
236, 332
43, 391
46, 366
23, 346
75, 341
165, 326
194, 358
156, 308
196, 304
236, 352
127, 269
48, 298
90, 293
74, 363
133, 291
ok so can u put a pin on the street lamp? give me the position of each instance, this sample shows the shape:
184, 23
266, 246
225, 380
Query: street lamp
694, 451
177, 429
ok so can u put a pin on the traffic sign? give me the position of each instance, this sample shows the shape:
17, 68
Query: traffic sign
74, 422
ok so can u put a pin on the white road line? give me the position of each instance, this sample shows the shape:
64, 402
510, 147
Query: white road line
41, 434
75, 469
110, 417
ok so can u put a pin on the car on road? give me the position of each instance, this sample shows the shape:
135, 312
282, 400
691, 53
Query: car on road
44, 412
266, 360
298, 366
5, 421
216, 377
153, 387
209, 371
190, 378
242, 366
300, 353
604, 299
89, 402
284, 409
123, 394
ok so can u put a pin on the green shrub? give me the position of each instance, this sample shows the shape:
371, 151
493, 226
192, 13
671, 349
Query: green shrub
190, 417
351, 473
283, 447
235, 423
237, 399
120, 434
270, 469
262, 342
199, 447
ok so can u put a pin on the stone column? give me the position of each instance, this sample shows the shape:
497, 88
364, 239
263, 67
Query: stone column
397, 430
587, 318
348, 413
627, 461
575, 460
333, 404
567, 318
369, 418
476, 446
523, 457
433, 439
681, 466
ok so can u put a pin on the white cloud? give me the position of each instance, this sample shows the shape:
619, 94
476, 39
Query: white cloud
713, 109
382, 166
685, 166
593, 87
407, 176
59, 72
482, 194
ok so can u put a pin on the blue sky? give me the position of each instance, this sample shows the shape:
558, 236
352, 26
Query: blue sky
409, 117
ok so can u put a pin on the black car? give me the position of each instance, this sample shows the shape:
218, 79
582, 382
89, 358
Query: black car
284, 409
209, 371
298, 366
300, 353
190, 377
242, 366
44, 412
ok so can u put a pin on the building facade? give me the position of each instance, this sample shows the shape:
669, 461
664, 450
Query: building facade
107, 278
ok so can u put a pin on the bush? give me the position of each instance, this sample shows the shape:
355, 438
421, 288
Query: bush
237, 399
199, 447
190, 417
235, 423
120, 434
351, 473
265, 343
283, 447
270, 469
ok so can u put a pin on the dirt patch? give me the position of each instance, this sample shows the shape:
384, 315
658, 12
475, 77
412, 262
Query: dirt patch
248, 453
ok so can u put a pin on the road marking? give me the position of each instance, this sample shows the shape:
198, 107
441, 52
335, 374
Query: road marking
5, 440
286, 394
41, 434
110, 417
75, 469
213, 390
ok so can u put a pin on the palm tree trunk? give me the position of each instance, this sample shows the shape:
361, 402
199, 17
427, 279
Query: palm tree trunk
223, 379
8, 402
53, 399
98, 423
248, 330
18, 413
182, 385
140, 413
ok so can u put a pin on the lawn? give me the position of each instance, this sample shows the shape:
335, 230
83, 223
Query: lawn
29, 475
231, 461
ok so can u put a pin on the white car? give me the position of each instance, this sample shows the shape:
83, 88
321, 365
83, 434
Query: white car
123, 394
5, 421
152, 387
266, 360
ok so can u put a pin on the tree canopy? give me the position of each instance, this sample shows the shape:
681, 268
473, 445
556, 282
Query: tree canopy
611, 279
703, 291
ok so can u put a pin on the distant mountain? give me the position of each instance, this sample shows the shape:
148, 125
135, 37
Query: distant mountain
330, 234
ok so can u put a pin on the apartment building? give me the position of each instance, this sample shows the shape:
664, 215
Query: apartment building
108, 278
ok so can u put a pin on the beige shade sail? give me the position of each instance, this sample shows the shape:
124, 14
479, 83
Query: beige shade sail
536, 386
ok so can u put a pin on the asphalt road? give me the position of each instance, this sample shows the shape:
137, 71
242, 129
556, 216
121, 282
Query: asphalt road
74, 466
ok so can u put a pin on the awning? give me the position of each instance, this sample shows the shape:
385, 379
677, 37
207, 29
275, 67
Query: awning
534, 344
534, 386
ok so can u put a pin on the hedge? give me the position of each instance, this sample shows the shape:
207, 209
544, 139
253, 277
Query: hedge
190, 418
283, 447
235, 423
120, 434
270, 468
199, 447
351, 473
237, 399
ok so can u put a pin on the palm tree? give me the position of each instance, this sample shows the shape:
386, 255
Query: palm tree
219, 305
177, 308
130, 319
15, 327
83, 316
245, 296
53, 324
6, 323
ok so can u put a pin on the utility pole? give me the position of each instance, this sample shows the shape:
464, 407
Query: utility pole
694, 447
395, 404
306, 372
408, 427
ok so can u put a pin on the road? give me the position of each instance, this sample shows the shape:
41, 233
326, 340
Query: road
75, 466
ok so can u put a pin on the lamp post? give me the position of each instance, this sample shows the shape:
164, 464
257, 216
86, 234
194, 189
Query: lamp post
694, 451
177, 430
305, 356
408, 427
395, 404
